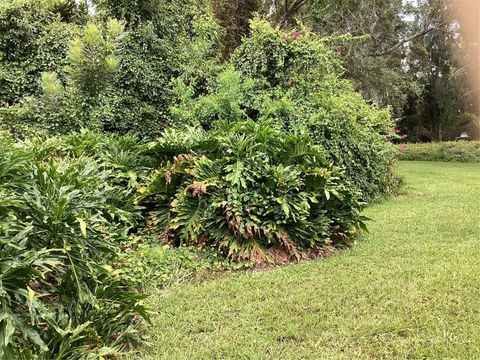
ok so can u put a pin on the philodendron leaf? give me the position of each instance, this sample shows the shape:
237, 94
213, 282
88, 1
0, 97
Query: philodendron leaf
83, 227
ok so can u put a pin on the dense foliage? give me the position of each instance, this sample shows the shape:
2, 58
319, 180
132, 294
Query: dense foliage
113, 72
82, 99
462, 151
233, 17
63, 215
410, 55
34, 37
75, 248
266, 154
251, 191
159, 45
293, 79
446, 101
405, 55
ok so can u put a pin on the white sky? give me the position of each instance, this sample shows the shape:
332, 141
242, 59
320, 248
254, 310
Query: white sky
409, 17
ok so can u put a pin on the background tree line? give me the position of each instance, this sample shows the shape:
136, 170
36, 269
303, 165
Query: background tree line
402, 54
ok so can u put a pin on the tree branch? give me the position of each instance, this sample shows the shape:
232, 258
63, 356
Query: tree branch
294, 7
426, 30
404, 41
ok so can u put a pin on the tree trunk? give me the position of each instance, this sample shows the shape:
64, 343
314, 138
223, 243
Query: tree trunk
290, 11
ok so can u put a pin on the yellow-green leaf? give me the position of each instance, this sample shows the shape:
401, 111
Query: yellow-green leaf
31, 297
83, 227
31, 293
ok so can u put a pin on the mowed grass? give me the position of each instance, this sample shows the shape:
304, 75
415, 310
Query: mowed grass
410, 289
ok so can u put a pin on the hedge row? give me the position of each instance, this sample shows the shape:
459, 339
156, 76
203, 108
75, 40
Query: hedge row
461, 151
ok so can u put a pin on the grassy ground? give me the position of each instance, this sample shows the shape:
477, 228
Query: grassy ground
409, 290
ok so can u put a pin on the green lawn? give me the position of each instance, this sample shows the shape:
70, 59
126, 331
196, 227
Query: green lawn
408, 290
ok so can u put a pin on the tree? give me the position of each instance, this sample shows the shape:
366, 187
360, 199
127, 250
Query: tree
79, 97
234, 17
435, 60
375, 64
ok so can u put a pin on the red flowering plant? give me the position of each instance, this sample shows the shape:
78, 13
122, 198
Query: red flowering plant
293, 36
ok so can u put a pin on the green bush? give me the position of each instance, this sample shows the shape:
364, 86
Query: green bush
76, 249
251, 191
104, 78
34, 37
295, 80
164, 40
461, 151
63, 217
82, 100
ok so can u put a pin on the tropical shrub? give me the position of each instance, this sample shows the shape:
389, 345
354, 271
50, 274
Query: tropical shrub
294, 80
249, 190
461, 151
61, 226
